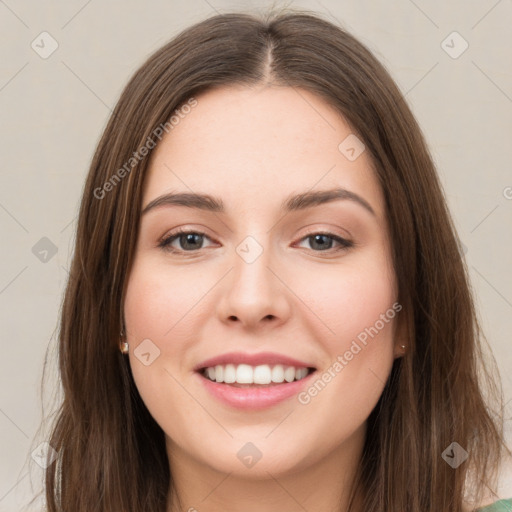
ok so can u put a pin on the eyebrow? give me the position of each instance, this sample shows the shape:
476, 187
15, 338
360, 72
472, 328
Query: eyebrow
292, 203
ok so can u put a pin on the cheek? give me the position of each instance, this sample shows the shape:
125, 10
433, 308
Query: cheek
157, 301
158, 307
346, 300
358, 305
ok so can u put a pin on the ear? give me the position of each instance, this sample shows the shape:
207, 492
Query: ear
401, 338
400, 350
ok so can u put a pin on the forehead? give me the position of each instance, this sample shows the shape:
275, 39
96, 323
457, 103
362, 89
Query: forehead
255, 146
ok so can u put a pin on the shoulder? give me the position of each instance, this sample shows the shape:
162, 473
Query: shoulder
497, 506
501, 506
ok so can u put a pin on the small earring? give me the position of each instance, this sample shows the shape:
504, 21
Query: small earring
123, 345
402, 347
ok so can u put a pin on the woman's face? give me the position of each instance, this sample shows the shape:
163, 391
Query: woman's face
255, 279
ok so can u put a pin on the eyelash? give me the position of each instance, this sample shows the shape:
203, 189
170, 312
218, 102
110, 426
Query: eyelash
164, 244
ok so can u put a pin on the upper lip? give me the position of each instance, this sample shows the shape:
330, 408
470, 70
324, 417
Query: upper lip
270, 358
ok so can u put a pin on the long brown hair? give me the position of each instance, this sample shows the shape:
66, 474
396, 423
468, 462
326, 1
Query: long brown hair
111, 452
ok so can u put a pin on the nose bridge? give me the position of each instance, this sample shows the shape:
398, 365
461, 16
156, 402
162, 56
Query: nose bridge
253, 292
251, 279
253, 252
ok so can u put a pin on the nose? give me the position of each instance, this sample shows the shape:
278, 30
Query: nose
253, 294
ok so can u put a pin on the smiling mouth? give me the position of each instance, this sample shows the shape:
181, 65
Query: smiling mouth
277, 379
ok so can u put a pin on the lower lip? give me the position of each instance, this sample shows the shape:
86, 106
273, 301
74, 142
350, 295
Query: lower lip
255, 397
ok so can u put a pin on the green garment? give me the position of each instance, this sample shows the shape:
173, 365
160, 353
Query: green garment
499, 506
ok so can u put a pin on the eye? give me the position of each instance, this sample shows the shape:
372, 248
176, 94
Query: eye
321, 242
190, 241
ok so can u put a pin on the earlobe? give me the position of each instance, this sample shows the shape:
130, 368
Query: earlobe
400, 351
401, 333
123, 344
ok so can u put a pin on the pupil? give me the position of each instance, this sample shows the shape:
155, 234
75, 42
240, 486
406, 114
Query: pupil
322, 245
189, 237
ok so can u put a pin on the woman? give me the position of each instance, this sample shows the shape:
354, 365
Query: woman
267, 307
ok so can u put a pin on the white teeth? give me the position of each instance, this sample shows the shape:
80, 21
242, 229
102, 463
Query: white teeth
300, 373
289, 374
278, 373
261, 374
229, 373
244, 374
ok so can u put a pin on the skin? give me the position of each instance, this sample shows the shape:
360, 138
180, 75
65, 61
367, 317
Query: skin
253, 147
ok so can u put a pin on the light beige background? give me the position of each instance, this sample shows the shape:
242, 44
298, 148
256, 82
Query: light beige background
54, 109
